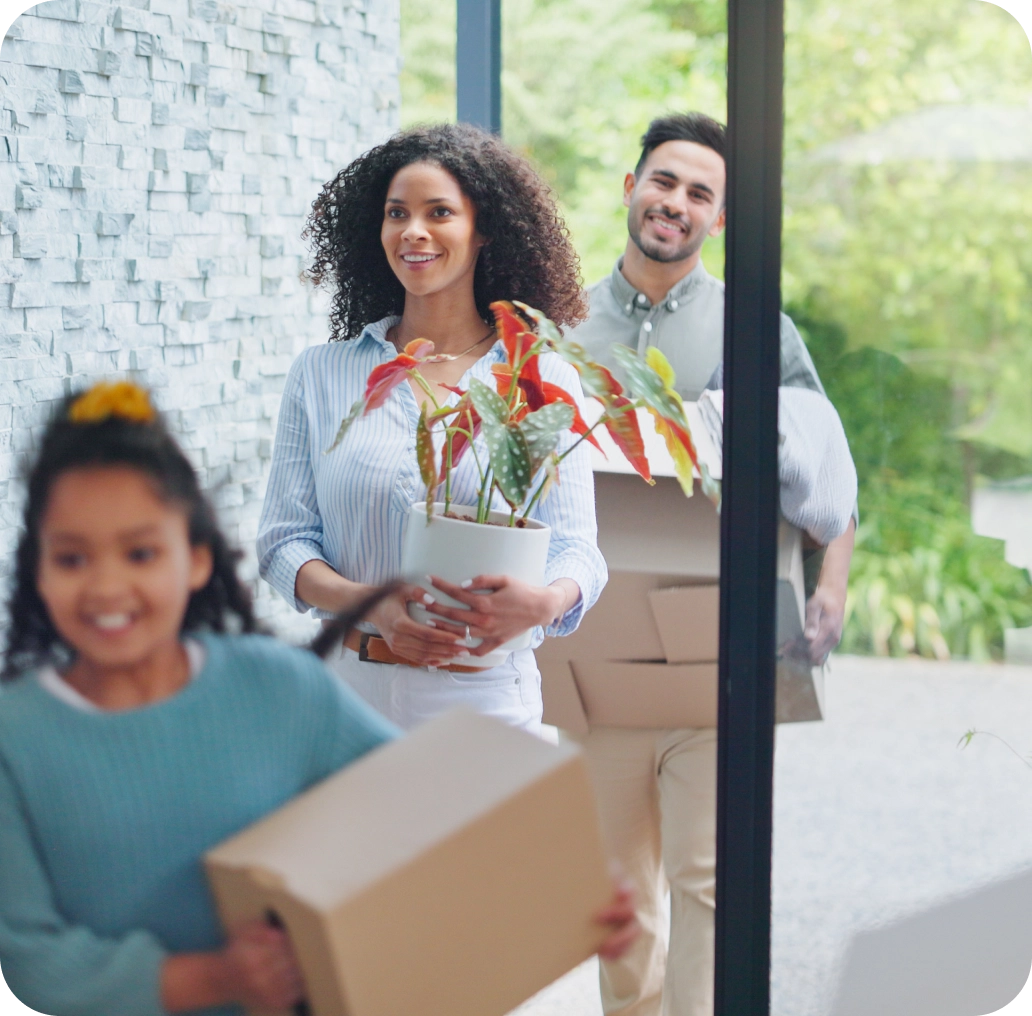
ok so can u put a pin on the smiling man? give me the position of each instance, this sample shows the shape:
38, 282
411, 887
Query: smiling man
657, 788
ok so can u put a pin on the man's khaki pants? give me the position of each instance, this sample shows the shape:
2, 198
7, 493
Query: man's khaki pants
657, 796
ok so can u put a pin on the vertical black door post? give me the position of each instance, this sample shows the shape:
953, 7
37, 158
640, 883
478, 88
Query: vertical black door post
478, 63
748, 525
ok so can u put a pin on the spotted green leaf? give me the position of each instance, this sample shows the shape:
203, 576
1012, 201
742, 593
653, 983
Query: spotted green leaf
506, 445
542, 429
647, 384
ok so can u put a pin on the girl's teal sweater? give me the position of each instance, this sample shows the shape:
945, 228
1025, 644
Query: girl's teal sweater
104, 817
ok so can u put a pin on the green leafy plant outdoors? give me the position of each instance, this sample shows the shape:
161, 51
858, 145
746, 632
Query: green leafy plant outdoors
522, 419
921, 581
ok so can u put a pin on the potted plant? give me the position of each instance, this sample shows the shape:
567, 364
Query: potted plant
519, 423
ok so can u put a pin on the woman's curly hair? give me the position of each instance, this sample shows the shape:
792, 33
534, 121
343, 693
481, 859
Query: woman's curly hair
528, 255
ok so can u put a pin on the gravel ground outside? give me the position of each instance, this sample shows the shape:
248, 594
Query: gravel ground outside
878, 814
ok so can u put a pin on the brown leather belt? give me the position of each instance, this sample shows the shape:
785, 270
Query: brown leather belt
373, 649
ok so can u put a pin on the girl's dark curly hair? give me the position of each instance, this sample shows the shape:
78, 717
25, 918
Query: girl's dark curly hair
151, 449
528, 255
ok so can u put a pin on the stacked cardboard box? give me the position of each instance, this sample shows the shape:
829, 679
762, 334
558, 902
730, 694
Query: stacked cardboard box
454, 872
646, 654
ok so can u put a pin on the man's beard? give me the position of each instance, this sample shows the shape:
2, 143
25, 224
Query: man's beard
654, 250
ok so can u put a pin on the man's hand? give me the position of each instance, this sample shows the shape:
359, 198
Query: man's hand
826, 609
823, 630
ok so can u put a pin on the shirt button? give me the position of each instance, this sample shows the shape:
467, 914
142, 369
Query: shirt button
642, 299
673, 305
647, 326
629, 308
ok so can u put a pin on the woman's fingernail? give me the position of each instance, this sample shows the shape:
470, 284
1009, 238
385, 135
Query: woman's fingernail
465, 652
431, 624
427, 598
466, 583
430, 666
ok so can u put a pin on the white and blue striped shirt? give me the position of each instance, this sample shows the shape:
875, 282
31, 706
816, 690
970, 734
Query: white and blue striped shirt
349, 507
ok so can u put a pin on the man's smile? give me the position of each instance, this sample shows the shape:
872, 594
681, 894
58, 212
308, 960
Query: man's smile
666, 226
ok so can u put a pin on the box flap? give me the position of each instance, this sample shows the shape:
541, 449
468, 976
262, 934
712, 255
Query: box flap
688, 621
648, 695
656, 529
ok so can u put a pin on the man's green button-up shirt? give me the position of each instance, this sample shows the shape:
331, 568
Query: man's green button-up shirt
687, 326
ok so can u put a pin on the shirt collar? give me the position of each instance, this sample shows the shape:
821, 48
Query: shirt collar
377, 332
630, 299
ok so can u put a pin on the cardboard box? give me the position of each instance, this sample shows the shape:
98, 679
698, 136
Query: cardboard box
454, 872
646, 654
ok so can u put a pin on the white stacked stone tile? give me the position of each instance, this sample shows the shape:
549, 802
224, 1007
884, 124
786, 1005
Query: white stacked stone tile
157, 163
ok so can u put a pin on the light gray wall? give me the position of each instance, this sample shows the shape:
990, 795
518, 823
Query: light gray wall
157, 162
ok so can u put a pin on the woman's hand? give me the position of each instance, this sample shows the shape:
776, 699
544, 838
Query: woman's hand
260, 969
424, 645
620, 917
503, 608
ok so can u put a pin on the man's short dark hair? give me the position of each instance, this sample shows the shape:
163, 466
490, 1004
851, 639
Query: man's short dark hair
696, 127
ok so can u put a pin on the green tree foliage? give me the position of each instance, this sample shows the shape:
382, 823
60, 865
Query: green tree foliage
910, 278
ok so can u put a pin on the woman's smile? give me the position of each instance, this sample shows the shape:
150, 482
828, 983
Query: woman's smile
419, 260
429, 231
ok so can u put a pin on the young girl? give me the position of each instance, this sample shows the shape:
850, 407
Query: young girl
136, 733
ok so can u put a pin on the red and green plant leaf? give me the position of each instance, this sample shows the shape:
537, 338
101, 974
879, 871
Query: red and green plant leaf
552, 394
651, 380
511, 327
426, 459
466, 422
597, 381
626, 433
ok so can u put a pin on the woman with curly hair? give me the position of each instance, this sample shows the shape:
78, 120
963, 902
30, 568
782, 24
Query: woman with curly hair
415, 239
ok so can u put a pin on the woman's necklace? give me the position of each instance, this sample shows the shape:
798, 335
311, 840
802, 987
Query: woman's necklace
454, 356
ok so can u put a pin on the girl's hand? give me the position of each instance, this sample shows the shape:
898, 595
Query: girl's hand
259, 968
506, 610
425, 646
619, 916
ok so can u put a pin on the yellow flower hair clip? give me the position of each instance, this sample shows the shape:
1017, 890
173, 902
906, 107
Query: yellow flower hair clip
106, 399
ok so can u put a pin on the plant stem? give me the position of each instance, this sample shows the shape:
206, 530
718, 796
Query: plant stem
421, 381
484, 496
533, 501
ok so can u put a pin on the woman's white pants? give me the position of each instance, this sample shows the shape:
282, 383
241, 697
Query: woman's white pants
409, 695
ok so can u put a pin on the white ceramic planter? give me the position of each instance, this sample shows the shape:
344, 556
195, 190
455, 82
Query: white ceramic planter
456, 550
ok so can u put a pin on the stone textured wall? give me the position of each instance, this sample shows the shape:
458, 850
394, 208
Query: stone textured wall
157, 162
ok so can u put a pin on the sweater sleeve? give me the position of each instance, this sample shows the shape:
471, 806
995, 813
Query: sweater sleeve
51, 965
346, 726
290, 531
